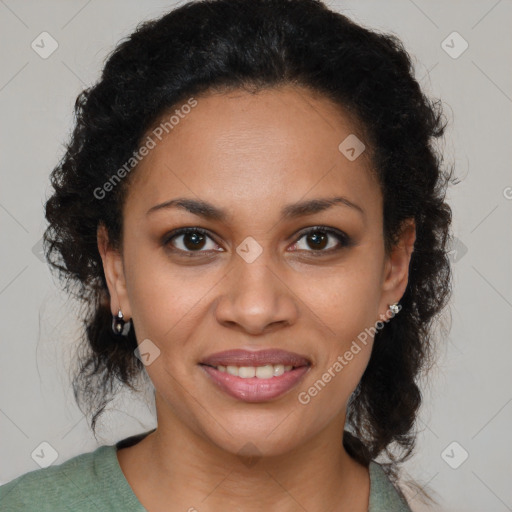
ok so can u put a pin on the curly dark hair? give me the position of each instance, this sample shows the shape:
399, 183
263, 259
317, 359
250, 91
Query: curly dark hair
225, 45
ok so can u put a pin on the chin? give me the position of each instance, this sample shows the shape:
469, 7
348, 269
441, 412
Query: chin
254, 442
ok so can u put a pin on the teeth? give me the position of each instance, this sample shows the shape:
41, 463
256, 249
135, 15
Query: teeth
262, 372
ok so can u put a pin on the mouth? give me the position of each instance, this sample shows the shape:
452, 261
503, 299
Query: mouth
255, 376
256, 358
267, 371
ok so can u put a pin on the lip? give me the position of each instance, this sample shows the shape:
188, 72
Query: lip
240, 357
255, 389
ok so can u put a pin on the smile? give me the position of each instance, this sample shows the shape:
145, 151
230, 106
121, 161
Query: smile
267, 371
255, 384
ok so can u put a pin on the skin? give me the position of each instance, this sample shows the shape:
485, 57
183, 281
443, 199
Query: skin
252, 154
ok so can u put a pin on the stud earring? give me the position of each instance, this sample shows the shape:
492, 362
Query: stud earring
395, 308
119, 326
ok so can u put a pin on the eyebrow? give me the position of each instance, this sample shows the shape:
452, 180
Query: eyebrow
290, 211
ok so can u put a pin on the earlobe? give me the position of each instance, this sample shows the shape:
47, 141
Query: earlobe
114, 273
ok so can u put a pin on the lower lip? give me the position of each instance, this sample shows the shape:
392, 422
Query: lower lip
254, 389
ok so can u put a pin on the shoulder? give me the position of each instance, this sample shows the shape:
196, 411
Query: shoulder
84, 482
384, 497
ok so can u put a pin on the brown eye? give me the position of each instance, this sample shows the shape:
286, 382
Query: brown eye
193, 241
322, 240
190, 240
317, 240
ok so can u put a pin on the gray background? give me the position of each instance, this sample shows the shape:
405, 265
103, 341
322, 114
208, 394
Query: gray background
467, 400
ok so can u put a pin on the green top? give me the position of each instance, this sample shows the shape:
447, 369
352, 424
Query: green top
95, 482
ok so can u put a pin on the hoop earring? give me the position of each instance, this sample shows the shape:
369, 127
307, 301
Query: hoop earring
395, 308
119, 326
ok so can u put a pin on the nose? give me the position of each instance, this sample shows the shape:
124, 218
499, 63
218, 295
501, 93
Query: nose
255, 297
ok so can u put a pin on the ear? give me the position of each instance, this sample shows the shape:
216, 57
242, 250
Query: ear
114, 274
396, 274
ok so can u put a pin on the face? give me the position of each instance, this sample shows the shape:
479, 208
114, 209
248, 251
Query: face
263, 275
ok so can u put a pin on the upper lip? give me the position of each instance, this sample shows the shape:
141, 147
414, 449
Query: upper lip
240, 357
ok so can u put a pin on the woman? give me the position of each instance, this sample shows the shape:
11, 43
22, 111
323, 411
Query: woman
253, 213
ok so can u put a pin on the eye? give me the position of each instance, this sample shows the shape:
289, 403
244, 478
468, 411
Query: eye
192, 240
317, 238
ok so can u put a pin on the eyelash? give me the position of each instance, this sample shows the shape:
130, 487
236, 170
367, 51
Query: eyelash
343, 239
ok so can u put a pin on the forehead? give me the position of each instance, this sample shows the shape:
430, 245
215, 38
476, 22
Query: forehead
276, 145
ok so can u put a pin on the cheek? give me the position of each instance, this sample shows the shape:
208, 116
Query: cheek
345, 306
328, 395
165, 299
345, 300
343, 360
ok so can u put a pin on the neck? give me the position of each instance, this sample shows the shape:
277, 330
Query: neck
175, 465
